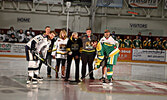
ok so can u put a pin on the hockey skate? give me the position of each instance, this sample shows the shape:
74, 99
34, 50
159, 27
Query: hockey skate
38, 78
107, 82
104, 82
110, 82
102, 78
31, 80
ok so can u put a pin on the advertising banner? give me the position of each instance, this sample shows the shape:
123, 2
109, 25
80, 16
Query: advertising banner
5, 47
18, 49
165, 4
125, 54
143, 3
18, 0
149, 55
49, 1
12, 49
109, 3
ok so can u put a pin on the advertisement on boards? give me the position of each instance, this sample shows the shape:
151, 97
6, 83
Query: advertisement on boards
149, 55
12, 49
125, 54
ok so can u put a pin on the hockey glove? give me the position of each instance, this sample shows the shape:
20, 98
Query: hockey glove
49, 51
117, 44
70, 53
96, 67
34, 52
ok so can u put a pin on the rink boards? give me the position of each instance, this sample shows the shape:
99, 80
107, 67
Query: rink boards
126, 54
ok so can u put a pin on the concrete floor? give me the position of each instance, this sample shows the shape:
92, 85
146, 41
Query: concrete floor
133, 81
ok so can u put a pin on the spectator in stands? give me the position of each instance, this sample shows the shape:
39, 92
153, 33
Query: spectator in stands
119, 41
164, 44
113, 35
137, 43
27, 37
146, 43
151, 40
127, 43
2, 36
21, 36
13, 38
157, 44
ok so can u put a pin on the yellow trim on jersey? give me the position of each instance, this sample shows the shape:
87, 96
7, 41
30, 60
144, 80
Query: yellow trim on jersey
68, 49
111, 55
110, 73
101, 57
88, 50
98, 62
108, 44
80, 50
98, 48
114, 52
63, 53
53, 50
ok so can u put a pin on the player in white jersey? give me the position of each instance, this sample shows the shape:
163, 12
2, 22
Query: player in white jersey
38, 44
21, 36
2, 36
60, 53
28, 37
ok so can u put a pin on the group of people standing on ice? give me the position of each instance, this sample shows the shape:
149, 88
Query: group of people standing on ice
64, 48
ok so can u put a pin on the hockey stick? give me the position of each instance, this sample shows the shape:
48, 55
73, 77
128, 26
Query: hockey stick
44, 62
87, 75
106, 57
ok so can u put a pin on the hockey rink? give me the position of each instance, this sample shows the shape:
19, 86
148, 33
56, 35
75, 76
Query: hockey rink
132, 81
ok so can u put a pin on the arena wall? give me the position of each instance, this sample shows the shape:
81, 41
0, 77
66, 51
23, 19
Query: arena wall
125, 26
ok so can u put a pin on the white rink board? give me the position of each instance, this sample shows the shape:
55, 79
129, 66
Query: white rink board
166, 56
149, 55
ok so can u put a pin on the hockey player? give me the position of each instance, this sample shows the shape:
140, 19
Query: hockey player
38, 44
127, 43
164, 44
28, 37
60, 52
107, 47
137, 44
21, 36
119, 41
2, 36
147, 43
104, 63
157, 44
13, 38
